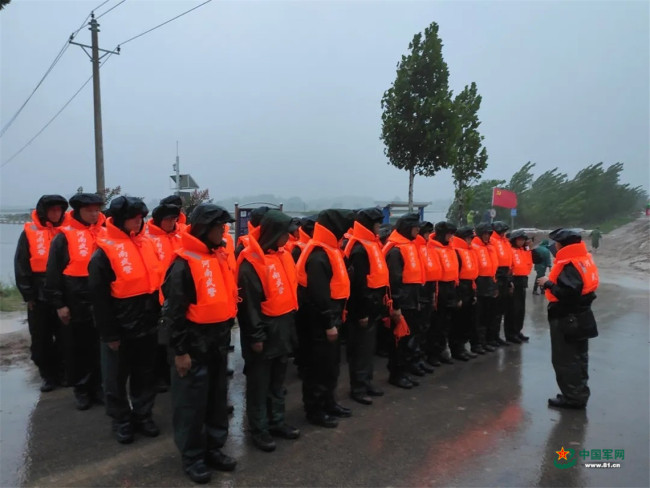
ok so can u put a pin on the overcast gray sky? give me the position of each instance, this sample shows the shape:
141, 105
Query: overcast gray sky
284, 97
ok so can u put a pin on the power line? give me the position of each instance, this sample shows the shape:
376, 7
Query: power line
164, 23
55, 116
87, 17
113, 7
49, 70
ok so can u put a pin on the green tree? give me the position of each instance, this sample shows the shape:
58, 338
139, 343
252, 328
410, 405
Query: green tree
195, 198
471, 157
418, 123
4, 3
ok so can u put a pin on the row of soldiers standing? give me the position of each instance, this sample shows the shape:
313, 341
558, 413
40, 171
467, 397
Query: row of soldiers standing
290, 288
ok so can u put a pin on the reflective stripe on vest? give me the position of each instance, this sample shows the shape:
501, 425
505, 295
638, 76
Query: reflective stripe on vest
134, 261
277, 273
522, 262
39, 239
340, 282
378, 275
582, 260
413, 272
214, 282
82, 243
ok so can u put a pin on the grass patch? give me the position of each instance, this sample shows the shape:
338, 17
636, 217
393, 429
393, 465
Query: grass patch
615, 223
10, 299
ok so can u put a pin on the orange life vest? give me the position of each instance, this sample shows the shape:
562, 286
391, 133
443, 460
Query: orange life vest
134, 261
503, 249
181, 223
429, 259
165, 243
486, 258
325, 239
522, 261
291, 243
378, 275
448, 261
214, 282
468, 259
413, 272
82, 243
277, 273
39, 238
577, 255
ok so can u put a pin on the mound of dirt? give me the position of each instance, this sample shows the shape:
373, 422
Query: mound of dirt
628, 245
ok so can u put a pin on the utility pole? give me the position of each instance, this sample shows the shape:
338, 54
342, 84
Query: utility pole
177, 168
97, 100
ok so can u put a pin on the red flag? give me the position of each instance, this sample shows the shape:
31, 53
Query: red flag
504, 198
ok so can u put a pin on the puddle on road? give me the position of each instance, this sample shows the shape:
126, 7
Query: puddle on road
19, 395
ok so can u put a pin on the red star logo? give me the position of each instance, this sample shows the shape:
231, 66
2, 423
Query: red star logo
562, 454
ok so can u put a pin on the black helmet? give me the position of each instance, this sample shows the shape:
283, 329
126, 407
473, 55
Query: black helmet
484, 228
465, 231
516, 234
163, 211
566, 236
406, 222
426, 227
123, 208
257, 214
172, 200
209, 214
499, 226
445, 228
84, 200
369, 216
307, 224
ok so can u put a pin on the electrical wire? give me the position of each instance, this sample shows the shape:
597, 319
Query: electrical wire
55, 116
164, 23
113, 7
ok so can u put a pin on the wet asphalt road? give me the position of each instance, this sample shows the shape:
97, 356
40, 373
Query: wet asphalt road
481, 423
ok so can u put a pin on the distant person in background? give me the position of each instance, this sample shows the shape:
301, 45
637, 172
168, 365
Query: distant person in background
30, 263
596, 236
542, 259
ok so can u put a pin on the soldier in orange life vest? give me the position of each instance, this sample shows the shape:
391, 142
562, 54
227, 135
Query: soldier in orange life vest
406, 277
464, 318
448, 299
163, 230
417, 341
200, 307
66, 289
124, 280
268, 289
367, 304
305, 232
522, 265
253, 228
30, 262
503, 276
570, 289
323, 290
486, 288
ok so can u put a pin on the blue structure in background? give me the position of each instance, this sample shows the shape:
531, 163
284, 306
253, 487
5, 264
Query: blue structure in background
387, 209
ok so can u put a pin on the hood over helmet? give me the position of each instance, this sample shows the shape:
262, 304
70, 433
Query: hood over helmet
442, 229
307, 224
204, 217
484, 228
405, 223
516, 234
47, 201
499, 226
84, 200
164, 211
566, 236
273, 226
336, 220
368, 217
465, 231
172, 200
425, 227
124, 208
257, 214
